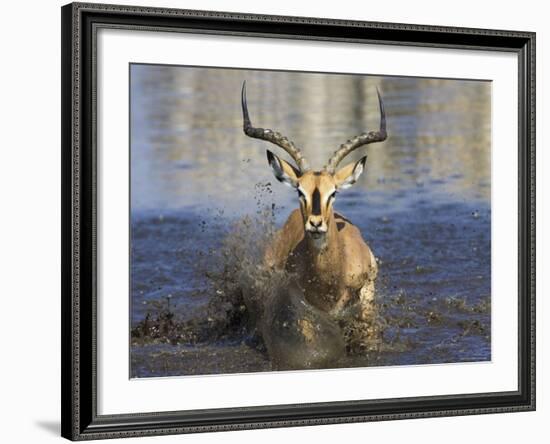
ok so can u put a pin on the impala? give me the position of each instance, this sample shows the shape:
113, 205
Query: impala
333, 264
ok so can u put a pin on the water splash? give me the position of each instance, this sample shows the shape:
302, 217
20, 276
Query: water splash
259, 318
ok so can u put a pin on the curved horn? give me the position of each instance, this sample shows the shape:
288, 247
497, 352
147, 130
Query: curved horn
362, 139
271, 136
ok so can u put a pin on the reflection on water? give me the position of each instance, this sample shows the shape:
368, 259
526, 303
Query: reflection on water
188, 148
423, 204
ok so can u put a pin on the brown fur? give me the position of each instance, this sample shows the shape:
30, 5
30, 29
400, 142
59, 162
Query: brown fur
336, 269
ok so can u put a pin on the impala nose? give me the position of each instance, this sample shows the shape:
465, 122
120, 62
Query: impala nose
315, 223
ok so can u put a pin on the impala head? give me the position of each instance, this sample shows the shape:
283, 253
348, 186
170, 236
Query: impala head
316, 189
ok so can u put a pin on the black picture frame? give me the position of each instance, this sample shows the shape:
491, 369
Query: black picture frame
79, 395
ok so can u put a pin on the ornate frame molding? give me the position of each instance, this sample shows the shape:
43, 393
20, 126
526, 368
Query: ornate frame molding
80, 22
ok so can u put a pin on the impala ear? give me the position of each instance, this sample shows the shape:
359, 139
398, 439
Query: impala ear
347, 176
283, 171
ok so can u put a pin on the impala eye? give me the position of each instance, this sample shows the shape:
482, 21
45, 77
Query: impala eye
332, 196
301, 195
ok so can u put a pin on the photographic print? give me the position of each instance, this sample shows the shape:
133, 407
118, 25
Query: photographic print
306, 213
299, 220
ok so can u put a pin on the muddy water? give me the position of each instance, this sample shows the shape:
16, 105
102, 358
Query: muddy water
423, 206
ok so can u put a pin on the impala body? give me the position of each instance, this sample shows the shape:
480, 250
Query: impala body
333, 264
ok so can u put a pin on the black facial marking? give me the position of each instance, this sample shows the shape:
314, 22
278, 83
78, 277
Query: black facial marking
330, 199
316, 203
317, 173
